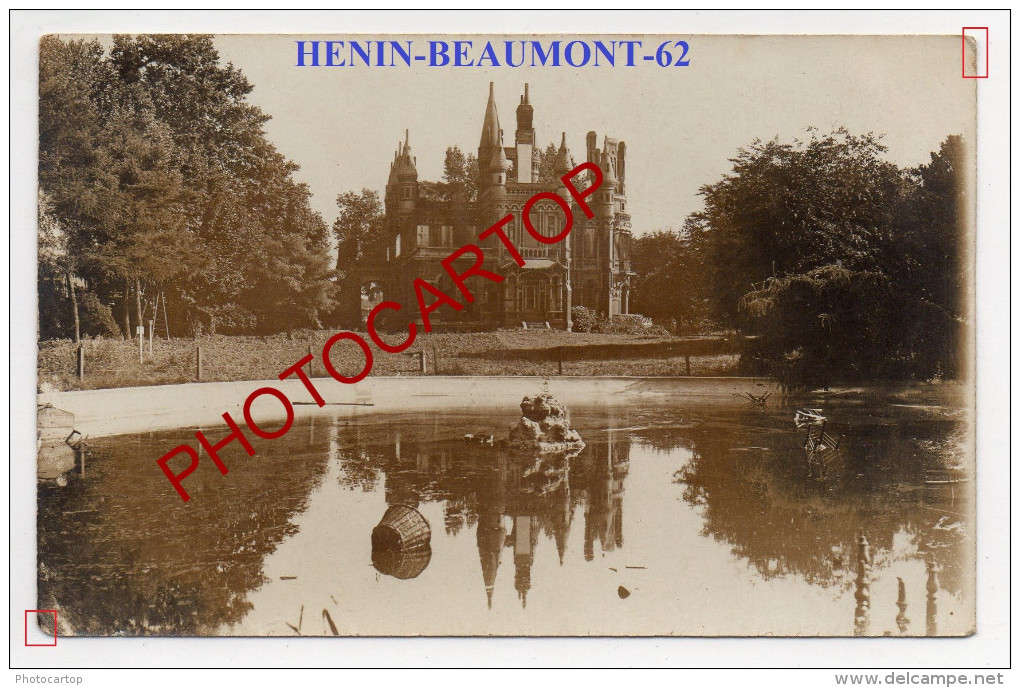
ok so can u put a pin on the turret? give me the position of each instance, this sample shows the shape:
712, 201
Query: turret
402, 187
606, 159
621, 169
561, 165
498, 166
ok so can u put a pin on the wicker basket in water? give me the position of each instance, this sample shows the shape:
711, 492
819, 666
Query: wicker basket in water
401, 528
402, 564
401, 543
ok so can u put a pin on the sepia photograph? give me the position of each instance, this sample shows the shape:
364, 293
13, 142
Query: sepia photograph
506, 335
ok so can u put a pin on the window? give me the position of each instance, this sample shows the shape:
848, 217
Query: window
423, 236
441, 236
534, 295
549, 225
396, 247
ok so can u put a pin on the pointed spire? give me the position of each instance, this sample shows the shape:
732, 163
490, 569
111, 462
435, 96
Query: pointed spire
491, 535
499, 162
404, 164
609, 174
490, 127
561, 165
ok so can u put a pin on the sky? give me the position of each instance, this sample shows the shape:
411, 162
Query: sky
681, 124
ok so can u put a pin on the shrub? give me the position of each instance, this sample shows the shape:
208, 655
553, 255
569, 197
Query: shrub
584, 319
96, 317
622, 324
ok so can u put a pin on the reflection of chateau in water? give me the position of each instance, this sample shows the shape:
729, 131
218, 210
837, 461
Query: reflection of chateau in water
514, 497
119, 553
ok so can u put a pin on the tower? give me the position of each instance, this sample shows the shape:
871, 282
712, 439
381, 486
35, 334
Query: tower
524, 140
490, 142
402, 186
590, 268
613, 226
498, 167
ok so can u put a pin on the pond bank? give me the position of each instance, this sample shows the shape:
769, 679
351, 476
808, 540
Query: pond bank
105, 412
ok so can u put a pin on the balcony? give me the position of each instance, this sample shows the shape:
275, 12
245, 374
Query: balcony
441, 252
539, 252
432, 251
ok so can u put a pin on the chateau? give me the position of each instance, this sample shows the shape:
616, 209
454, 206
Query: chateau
591, 267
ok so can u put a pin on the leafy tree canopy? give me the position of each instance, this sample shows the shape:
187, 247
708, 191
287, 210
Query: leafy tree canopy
158, 178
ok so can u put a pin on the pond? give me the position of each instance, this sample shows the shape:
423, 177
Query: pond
677, 518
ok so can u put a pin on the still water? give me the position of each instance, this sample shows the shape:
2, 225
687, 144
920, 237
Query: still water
677, 518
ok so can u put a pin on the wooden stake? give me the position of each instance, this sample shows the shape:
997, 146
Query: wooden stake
166, 324
198, 363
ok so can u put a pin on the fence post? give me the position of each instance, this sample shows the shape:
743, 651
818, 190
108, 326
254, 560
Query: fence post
687, 362
422, 363
81, 362
198, 363
435, 361
311, 363
559, 358
152, 329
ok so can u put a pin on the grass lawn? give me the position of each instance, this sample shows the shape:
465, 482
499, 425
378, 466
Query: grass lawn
114, 362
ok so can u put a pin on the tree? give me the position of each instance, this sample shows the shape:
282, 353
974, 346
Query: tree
930, 255
664, 287
460, 172
360, 233
76, 189
810, 246
789, 208
246, 209
159, 178
547, 165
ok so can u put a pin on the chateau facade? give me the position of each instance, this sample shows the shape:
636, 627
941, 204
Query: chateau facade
591, 267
